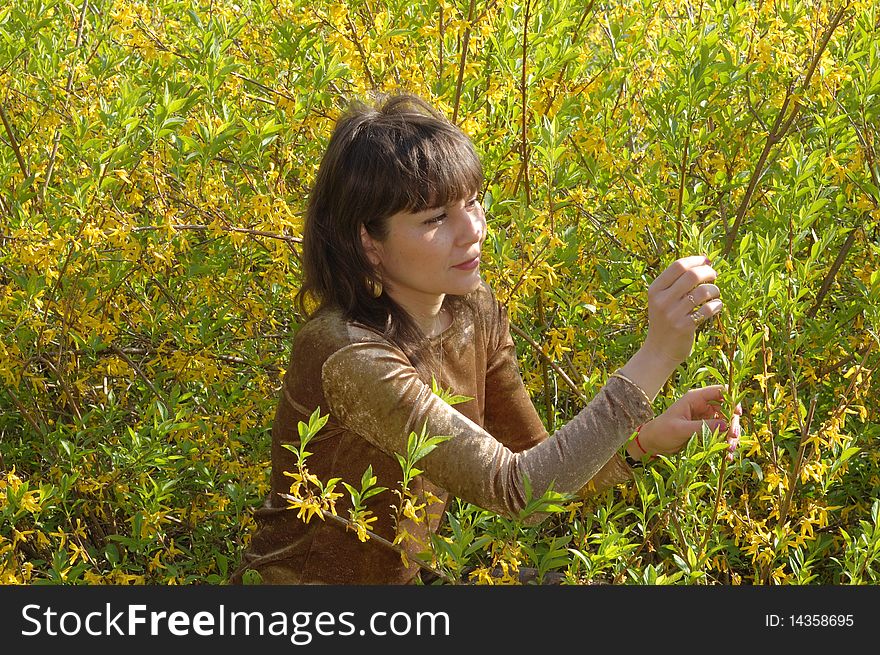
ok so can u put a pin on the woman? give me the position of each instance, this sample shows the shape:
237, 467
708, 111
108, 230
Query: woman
391, 254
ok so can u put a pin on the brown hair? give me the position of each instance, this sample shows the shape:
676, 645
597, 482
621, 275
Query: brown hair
398, 155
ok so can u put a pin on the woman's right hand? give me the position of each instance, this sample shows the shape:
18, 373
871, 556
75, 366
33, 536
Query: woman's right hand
684, 419
679, 301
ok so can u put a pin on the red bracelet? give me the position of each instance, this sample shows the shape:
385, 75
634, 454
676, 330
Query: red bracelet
639, 443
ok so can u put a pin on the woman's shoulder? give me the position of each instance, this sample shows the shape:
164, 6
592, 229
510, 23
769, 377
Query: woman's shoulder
484, 296
486, 306
329, 329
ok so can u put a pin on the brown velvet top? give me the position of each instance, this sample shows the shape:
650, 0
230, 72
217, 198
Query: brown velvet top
375, 398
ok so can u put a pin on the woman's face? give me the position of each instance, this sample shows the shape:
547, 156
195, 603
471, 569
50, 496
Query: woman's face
430, 253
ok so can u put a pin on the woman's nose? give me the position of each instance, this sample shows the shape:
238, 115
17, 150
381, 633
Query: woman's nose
473, 225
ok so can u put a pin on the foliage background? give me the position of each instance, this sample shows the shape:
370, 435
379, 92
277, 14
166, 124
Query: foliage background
154, 164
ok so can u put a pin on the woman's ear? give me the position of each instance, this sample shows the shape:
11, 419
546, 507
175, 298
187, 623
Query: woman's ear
371, 247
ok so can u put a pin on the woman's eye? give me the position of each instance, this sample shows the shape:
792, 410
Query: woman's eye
471, 203
436, 219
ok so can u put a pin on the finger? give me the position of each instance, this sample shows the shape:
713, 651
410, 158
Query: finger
731, 451
735, 431
676, 269
701, 294
705, 312
691, 279
733, 435
705, 400
695, 427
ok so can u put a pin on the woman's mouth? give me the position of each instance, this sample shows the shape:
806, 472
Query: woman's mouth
468, 265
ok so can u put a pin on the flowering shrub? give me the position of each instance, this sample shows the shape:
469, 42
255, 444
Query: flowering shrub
154, 164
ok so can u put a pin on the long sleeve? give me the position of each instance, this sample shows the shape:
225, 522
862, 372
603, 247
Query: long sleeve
510, 413
374, 391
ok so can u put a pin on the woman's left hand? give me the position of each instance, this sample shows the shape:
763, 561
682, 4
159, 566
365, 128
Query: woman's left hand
669, 433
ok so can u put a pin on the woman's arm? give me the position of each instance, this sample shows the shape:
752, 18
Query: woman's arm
374, 391
510, 414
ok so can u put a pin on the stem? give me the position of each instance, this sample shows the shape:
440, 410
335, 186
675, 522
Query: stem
462, 60
794, 473
361, 52
731, 409
525, 103
678, 210
718, 494
779, 130
244, 230
71, 399
574, 43
767, 401
442, 29
380, 540
13, 143
141, 375
832, 273
545, 374
561, 373
26, 414
56, 141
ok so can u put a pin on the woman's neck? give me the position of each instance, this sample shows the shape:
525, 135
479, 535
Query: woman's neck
427, 313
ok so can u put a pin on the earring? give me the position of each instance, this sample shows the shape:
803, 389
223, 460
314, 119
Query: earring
375, 287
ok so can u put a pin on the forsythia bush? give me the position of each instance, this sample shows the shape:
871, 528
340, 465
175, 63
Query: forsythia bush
154, 162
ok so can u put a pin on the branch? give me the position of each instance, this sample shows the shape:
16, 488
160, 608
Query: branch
832, 273
461, 62
271, 235
13, 142
339, 520
553, 365
26, 414
130, 350
141, 375
779, 130
68, 88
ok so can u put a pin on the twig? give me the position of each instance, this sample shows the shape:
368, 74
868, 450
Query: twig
783, 122
795, 471
681, 185
339, 520
552, 364
832, 272
262, 233
360, 48
64, 385
545, 373
766, 388
731, 392
57, 138
25, 413
141, 375
13, 143
461, 62
525, 103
